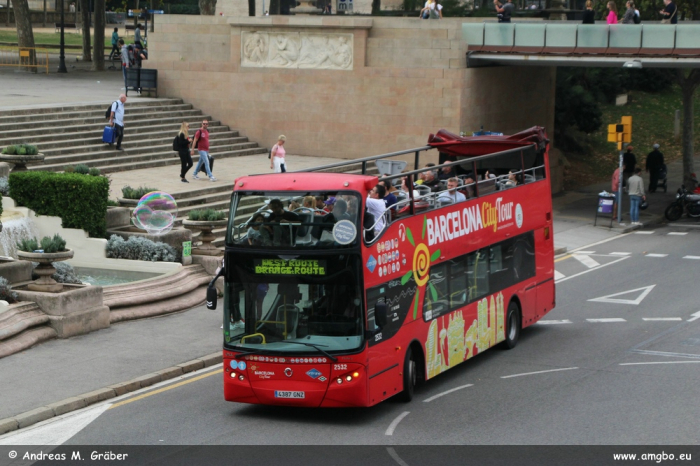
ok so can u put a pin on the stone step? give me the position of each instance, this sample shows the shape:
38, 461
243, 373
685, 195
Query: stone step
20, 316
95, 129
86, 107
77, 146
26, 339
89, 113
88, 121
94, 135
108, 154
193, 298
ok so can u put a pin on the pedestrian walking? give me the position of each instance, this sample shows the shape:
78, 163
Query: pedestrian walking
201, 143
116, 119
115, 44
277, 155
504, 11
137, 36
628, 17
184, 151
635, 189
616, 191
629, 161
669, 13
589, 13
654, 166
125, 59
612, 14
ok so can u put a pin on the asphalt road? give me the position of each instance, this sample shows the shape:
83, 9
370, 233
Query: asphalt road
615, 363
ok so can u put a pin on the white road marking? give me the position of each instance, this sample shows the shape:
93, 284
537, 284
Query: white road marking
644, 232
620, 253
585, 252
612, 238
554, 322
395, 422
611, 297
691, 257
538, 372
446, 393
558, 275
57, 432
609, 319
588, 261
396, 456
668, 354
659, 362
657, 255
695, 316
654, 319
590, 270
678, 233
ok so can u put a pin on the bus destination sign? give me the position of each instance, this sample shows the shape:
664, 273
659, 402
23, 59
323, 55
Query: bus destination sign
290, 267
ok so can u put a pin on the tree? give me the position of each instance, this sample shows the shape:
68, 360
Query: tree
98, 64
207, 7
688, 82
25, 33
85, 16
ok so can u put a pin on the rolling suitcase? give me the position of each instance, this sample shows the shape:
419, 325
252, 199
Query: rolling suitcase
108, 135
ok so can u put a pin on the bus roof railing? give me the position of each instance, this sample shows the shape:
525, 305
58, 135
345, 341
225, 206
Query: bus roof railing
364, 160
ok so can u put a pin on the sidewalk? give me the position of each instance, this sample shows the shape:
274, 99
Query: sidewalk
61, 369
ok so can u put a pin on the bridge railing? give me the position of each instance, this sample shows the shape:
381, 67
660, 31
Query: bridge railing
583, 39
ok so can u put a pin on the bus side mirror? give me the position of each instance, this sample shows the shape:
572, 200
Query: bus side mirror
212, 294
380, 314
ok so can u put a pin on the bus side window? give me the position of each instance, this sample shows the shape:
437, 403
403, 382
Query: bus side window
437, 292
501, 273
478, 273
458, 283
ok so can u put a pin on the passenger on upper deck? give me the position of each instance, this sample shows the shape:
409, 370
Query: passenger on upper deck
388, 197
452, 194
340, 211
446, 172
319, 203
308, 202
259, 234
376, 207
277, 215
430, 180
328, 204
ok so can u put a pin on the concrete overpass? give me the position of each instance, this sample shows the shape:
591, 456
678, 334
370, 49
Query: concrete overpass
571, 44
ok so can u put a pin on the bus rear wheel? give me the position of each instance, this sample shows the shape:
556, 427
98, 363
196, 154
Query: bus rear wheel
512, 326
410, 377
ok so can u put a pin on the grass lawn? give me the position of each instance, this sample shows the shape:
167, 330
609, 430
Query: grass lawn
41, 38
652, 122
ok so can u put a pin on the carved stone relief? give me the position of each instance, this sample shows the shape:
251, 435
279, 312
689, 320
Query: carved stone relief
297, 50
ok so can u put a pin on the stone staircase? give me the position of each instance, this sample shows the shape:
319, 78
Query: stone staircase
23, 325
72, 135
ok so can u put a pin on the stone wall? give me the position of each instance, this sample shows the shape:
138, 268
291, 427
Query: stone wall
403, 79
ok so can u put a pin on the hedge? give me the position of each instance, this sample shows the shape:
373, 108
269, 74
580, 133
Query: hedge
80, 201
0, 204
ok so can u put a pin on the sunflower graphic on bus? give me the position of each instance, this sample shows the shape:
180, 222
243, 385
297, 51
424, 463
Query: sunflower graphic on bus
422, 258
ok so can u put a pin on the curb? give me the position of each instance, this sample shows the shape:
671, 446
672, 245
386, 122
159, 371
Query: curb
74, 403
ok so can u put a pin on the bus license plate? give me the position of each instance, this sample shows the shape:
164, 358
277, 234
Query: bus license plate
284, 394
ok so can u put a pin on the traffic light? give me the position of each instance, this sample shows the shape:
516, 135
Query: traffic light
621, 132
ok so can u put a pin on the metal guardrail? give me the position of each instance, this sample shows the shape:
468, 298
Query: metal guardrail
656, 40
24, 57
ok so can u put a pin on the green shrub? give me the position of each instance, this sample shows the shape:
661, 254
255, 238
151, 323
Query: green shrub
6, 293
112, 203
65, 273
209, 215
139, 248
1, 193
32, 150
28, 245
80, 201
94, 172
21, 150
69, 169
10, 150
82, 169
136, 193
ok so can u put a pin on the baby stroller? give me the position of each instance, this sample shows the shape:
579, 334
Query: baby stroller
661, 180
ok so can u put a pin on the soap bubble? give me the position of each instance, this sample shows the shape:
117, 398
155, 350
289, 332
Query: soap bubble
156, 213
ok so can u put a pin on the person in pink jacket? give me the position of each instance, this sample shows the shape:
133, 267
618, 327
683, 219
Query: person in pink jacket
612, 16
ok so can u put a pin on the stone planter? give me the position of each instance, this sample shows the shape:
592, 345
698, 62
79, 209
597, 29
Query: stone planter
206, 236
20, 161
130, 203
45, 269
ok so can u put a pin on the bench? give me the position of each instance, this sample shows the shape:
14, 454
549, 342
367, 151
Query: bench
132, 27
139, 79
67, 26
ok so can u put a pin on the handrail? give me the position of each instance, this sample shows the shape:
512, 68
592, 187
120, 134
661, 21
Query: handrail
363, 160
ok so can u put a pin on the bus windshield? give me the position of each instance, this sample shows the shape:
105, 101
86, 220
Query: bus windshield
316, 220
275, 303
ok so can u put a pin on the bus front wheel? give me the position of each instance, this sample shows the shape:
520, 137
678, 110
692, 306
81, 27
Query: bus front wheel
410, 377
512, 326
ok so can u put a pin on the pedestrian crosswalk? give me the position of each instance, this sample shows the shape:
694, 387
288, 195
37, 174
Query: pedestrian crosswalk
609, 320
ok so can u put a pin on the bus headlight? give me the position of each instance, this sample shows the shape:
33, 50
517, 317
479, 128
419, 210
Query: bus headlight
339, 380
349, 378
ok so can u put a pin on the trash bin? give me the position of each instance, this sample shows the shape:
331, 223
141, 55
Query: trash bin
391, 167
605, 207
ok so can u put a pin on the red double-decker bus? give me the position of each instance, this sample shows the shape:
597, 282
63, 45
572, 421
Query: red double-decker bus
328, 305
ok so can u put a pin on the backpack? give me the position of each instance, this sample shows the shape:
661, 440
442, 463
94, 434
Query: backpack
130, 53
176, 142
108, 113
637, 19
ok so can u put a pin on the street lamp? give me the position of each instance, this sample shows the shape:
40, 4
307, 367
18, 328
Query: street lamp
62, 56
633, 64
